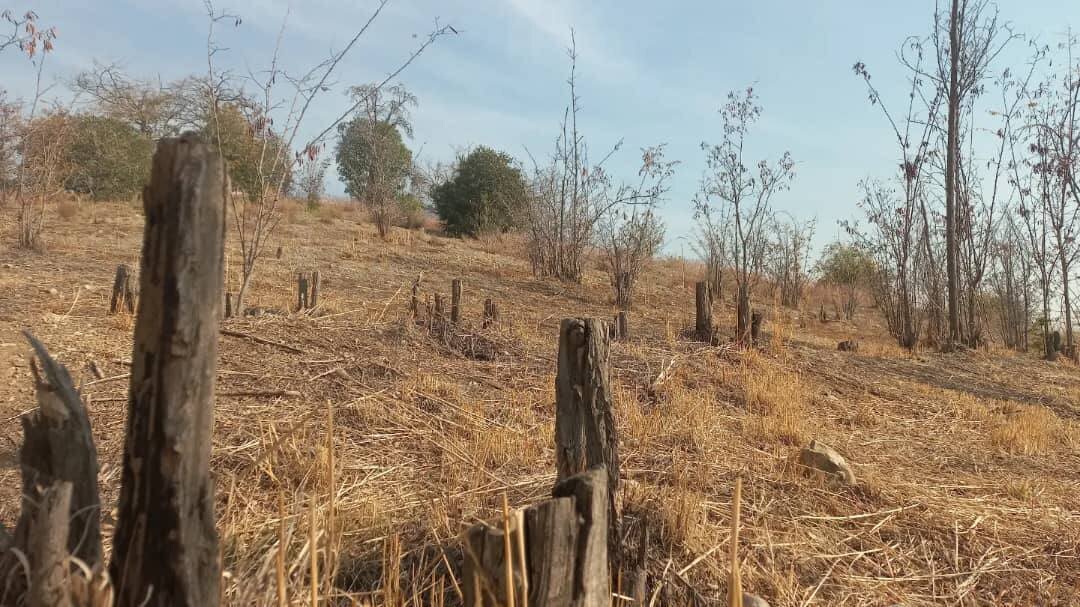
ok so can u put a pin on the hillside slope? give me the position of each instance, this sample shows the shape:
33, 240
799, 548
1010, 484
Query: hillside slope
968, 465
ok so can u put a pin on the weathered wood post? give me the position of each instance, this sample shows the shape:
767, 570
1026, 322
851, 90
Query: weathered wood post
315, 281
165, 547
491, 313
228, 305
455, 301
301, 291
123, 294
559, 551
703, 301
585, 435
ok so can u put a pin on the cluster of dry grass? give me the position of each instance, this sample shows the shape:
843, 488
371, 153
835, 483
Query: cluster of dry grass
385, 441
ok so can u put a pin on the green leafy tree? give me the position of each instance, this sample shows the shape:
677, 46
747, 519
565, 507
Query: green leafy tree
847, 268
485, 194
253, 153
372, 158
106, 158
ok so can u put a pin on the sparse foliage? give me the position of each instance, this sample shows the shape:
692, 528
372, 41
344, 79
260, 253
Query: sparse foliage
742, 194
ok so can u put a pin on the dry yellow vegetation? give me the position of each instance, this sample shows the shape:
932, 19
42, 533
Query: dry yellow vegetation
968, 464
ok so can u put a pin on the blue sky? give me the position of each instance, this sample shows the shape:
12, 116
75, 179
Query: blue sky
649, 72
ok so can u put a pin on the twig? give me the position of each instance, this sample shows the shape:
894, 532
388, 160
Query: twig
264, 393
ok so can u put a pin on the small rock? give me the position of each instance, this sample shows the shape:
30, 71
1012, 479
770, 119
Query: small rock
53, 291
8, 266
88, 288
753, 600
848, 345
822, 457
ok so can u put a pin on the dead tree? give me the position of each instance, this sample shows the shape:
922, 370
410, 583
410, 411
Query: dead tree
585, 434
558, 550
455, 301
165, 547
491, 313
703, 301
123, 295
301, 291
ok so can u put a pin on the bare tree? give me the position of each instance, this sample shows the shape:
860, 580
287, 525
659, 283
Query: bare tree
746, 192
571, 195
631, 238
24, 33
975, 37
1010, 280
256, 216
892, 242
787, 263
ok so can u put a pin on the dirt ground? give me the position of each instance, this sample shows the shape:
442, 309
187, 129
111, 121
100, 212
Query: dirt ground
967, 464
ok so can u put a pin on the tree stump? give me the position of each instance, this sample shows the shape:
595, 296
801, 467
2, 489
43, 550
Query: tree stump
439, 308
228, 305
280, 252
585, 435
455, 301
703, 302
315, 282
414, 303
491, 313
757, 318
165, 546
622, 325
301, 291
848, 345
123, 295
564, 542
60, 509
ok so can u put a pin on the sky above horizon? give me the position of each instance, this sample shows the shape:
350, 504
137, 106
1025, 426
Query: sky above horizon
648, 73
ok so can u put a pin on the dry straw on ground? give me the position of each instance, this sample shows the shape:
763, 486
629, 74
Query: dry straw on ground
372, 443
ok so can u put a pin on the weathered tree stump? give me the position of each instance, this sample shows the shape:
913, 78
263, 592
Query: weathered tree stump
60, 510
439, 308
414, 303
316, 280
123, 295
165, 547
757, 318
455, 301
585, 434
280, 252
848, 345
622, 325
491, 313
703, 302
228, 305
565, 545
301, 291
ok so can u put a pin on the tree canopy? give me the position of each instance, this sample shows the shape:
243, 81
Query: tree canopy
373, 161
484, 195
106, 158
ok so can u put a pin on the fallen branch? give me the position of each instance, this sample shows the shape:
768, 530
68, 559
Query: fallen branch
260, 340
265, 393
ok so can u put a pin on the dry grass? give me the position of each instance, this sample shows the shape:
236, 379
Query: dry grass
400, 440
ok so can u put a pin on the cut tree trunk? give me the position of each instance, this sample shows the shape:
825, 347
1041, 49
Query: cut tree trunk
455, 301
703, 303
564, 545
316, 281
165, 548
622, 325
123, 295
301, 291
491, 313
585, 434
742, 325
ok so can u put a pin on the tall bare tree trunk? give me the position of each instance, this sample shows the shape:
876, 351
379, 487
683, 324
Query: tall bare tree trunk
1070, 351
952, 153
